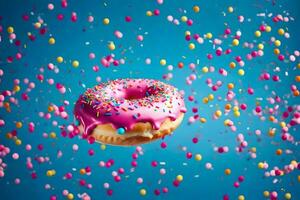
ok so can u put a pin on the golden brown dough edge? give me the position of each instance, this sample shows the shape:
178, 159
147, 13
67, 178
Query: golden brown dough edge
140, 134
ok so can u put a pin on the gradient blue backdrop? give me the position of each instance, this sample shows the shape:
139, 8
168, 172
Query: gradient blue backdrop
163, 40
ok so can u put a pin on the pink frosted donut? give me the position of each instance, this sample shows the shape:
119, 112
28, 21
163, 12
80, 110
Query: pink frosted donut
129, 111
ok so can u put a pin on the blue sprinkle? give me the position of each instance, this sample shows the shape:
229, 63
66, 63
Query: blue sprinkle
135, 116
121, 131
108, 114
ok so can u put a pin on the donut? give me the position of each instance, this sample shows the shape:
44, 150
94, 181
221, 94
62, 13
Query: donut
128, 112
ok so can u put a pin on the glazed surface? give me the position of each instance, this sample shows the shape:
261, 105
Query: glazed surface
124, 102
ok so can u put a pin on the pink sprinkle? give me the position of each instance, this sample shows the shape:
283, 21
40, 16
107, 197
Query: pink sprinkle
17, 181
50, 6
90, 18
165, 190
241, 178
15, 156
128, 19
156, 12
140, 38
236, 184
154, 163
2, 122
163, 145
28, 147
134, 163
189, 155
189, 22
139, 180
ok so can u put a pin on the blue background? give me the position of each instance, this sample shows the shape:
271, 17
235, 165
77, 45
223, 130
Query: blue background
162, 41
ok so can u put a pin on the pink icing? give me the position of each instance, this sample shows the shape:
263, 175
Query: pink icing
124, 102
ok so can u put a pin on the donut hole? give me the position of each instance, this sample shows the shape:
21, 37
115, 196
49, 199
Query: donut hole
134, 93
138, 92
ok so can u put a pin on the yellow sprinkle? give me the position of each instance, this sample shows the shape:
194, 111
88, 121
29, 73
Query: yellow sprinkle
241, 197
149, 13
268, 28
241, 72
202, 120
51, 41
260, 46
205, 69
163, 62
257, 33
237, 113
218, 113
208, 35
18, 142
143, 192
276, 51
184, 18
16, 88
235, 108
226, 122
282, 124
205, 100
260, 165
52, 135
196, 9
230, 9
106, 21
266, 193
235, 42
59, 59
70, 196
280, 31
19, 125
111, 46
179, 178
37, 25
187, 33
277, 43
51, 172
75, 63
50, 108
103, 146
191, 46
288, 196
211, 97
10, 29
232, 65
294, 163
198, 157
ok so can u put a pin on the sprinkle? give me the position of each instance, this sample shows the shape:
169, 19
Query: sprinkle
121, 131
108, 114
